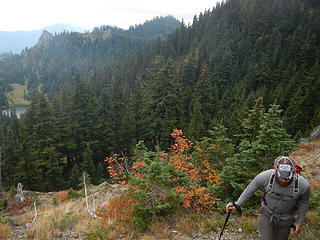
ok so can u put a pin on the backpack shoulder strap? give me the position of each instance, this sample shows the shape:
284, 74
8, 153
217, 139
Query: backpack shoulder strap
271, 181
296, 185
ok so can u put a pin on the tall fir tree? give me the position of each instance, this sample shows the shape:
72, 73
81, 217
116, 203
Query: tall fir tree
196, 128
162, 101
272, 140
251, 124
253, 157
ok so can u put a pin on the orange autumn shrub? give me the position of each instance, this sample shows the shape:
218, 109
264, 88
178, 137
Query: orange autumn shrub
116, 169
119, 208
161, 182
61, 196
196, 195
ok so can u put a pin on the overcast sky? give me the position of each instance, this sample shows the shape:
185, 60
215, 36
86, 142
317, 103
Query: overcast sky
36, 14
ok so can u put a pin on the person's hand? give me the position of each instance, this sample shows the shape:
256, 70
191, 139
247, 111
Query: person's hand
298, 228
230, 207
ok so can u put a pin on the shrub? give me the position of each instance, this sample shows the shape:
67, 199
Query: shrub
3, 204
99, 234
66, 222
36, 200
12, 192
159, 182
119, 208
155, 194
314, 202
55, 202
61, 196
73, 194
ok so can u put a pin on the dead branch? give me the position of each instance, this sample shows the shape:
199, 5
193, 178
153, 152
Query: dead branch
85, 192
100, 186
35, 216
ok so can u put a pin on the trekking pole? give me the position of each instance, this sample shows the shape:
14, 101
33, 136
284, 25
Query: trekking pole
228, 215
225, 223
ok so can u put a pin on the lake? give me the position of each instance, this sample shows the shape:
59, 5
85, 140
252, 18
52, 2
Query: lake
19, 110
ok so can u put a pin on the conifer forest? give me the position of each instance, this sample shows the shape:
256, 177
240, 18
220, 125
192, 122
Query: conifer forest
235, 88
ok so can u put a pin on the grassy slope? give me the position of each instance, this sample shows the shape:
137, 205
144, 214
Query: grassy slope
16, 96
56, 220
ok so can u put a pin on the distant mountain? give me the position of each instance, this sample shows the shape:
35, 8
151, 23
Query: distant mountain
53, 60
61, 27
16, 41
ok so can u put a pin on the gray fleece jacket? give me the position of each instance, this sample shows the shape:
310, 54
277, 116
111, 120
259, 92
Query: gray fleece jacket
280, 200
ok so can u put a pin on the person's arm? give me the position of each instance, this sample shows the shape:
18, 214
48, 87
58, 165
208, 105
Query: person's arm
302, 205
253, 186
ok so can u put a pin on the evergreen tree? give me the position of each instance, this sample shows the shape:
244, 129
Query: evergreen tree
162, 98
252, 157
305, 102
217, 147
11, 151
87, 164
273, 140
54, 180
21, 164
207, 95
251, 124
74, 179
196, 125
237, 172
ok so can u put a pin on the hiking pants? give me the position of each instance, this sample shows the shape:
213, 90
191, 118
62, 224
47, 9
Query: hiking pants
276, 230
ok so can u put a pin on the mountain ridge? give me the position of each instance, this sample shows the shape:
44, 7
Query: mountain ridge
16, 41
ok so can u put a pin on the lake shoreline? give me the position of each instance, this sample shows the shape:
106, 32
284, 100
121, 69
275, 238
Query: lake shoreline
18, 108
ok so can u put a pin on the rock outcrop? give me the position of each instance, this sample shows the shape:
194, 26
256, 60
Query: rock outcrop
45, 38
315, 133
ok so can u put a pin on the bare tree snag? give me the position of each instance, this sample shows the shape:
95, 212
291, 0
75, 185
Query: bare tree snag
19, 197
85, 192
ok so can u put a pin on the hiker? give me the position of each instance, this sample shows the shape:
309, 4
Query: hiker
286, 192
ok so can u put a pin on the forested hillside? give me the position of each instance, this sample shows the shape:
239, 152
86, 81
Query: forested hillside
240, 68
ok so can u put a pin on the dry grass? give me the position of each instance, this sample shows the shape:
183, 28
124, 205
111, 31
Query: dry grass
308, 156
5, 231
315, 185
147, 237
69, 215
72, 215
16, 96
160, 230
186, 226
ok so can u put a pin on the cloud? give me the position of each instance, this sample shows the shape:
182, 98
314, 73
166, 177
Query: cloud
35, 14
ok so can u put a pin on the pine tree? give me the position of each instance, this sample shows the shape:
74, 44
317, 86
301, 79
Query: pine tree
273, 140
54, 180
251, 124
207, 95
237, 172
196, 125
305, 101
217, 147
74, 179
87, 164
162, 101
28, 169
252, 157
